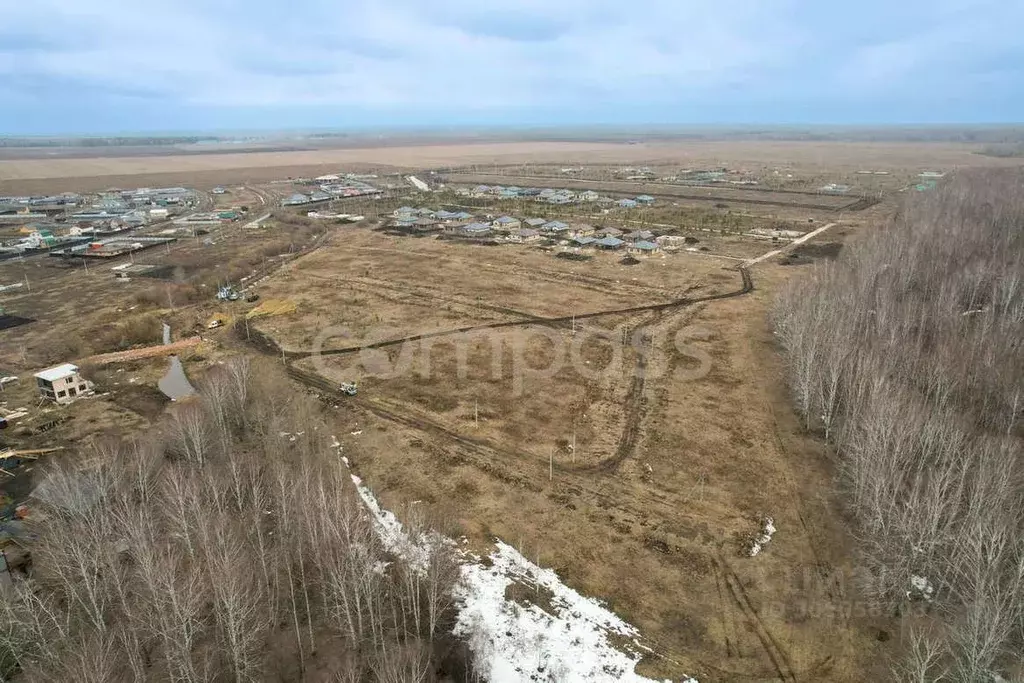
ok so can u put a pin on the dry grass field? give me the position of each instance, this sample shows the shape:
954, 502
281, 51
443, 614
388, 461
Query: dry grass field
636, 470
208, 170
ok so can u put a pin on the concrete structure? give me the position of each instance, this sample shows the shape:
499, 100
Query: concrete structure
61, 383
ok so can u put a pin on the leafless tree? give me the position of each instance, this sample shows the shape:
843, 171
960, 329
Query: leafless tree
906, 354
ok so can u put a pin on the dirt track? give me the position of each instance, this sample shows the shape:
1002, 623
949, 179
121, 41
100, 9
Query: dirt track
746, 287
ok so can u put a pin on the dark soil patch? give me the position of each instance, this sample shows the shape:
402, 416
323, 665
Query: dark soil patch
10, 321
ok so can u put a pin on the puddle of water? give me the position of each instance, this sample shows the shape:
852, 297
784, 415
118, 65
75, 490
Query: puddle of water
175, 384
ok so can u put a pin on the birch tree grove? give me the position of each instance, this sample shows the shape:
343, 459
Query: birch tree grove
229, 544
907, 355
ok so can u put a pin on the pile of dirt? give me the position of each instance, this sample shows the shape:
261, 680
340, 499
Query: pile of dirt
629, 261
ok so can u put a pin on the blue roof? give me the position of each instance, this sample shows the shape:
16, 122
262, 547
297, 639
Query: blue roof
583, 240
476, 227
555, 225
505, 220
610, 242
627, 202
645, 246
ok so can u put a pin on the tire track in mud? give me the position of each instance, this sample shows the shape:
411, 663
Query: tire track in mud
741, 600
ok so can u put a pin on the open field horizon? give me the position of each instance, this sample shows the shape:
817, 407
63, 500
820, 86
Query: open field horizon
88, 174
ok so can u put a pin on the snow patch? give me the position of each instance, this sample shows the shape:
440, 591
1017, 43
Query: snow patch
921, 588
758, 543
513, 642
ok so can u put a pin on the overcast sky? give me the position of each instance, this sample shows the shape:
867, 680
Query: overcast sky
79, 66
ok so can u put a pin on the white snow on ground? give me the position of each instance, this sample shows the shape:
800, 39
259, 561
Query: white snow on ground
513, 642
764, 538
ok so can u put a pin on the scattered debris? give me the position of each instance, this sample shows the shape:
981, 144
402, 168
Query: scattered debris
356, 433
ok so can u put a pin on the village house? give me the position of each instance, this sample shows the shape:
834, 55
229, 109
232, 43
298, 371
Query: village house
638, 235
535, 222
583, 241
507, 223
609, 232
524, 235
475, 230
644, 247
609, 243
627, 203
555, 227
589, 196
645, 199
62, 383
582, 230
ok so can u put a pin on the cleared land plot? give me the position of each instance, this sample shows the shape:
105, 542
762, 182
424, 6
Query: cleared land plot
688, 192
634, 469
667, 477
380, 287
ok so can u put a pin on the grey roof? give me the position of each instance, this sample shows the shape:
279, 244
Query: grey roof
506, 220
476, 227
555, 225
535, 222
610, 242
583, 240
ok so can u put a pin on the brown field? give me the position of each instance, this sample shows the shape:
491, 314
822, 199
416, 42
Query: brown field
668, 472
207, 170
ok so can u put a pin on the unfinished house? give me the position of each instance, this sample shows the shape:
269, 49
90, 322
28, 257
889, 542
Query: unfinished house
62, 383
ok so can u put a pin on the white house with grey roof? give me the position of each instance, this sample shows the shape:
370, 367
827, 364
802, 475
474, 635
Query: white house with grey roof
62, 383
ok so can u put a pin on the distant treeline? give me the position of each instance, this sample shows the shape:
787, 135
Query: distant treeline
1007, 151
105, 142
997, 138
